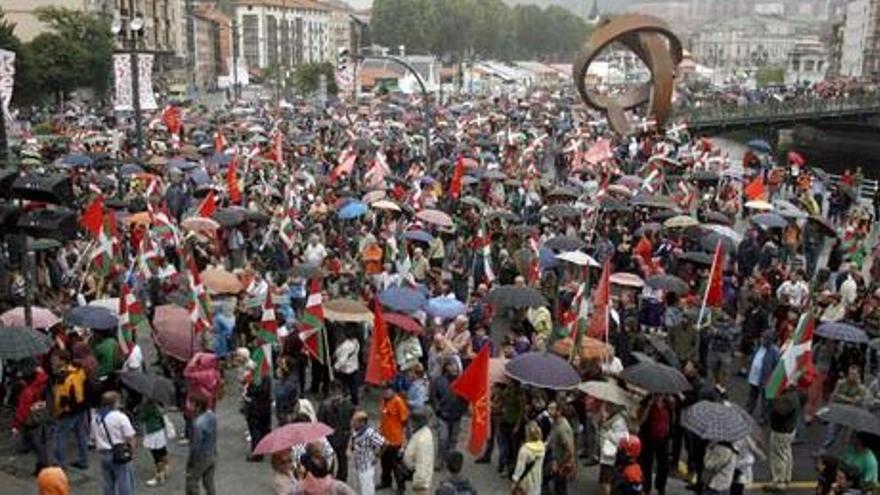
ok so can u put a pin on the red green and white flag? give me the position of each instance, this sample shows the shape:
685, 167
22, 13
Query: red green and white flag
311, 330
131, 318
199, 305
796, 362
268, 332
581, 302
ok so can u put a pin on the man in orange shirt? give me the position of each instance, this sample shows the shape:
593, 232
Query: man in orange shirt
372, 257
392, 424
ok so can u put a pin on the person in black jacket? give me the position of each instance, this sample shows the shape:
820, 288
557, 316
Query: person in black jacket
257, 409
449, 409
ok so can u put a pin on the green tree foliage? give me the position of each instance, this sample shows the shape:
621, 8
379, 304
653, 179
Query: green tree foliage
461, 29
306, 78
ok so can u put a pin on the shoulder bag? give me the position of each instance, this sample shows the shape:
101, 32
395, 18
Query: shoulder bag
517, 488
122, 453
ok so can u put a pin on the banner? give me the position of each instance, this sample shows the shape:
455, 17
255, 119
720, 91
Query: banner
122, 79
7, 78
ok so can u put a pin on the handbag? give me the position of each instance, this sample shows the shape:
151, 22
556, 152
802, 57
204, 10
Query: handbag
170, 430
122, 453
517, 488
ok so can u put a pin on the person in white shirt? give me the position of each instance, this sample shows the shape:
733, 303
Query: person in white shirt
849, 289
315, 252
794, 291
110, 427
135, 359
345, 363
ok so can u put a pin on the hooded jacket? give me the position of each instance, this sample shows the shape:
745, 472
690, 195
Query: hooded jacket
32, 393
530, 452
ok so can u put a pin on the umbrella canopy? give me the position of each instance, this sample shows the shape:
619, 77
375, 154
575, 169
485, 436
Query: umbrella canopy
824, 225
385, 204
352, 209
111, 303
625, 279
418, 235
716, 421
22, 342
697, 257
770, 220
173, 333
606, 392
402, 299
94, 317
853, 417
565, 243
200, 224
445, 307
760, 145
435, 217
285, 437
578, 258
219, 281
544, 370
229, 217
512, 296
630, 181
153, 387
42, 317
405, 323
759, 204
656, 378
788, 209
681, 222
561, 211
716, 217
842, 331
347, 310
504, 215
307, 270
668, 283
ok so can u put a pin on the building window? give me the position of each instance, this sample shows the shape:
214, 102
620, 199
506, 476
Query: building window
250, 26
809, 65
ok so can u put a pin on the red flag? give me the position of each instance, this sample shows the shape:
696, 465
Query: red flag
232, 182
473, 385
457, 174
598, 326
755, 189
346, 164
171, 119
599, 152
208, 206
93, 218
714, 291
380, 360
219, 142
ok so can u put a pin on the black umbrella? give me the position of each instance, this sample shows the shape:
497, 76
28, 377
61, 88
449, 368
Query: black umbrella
564, 243
561, 211
612, 204
656, 378
505, 215
663, 215
22, 342
770, 220
473, 201
716, 421
706, 176
512, 296
853, 417
668, 283
664, 351
565, 193
229, 217
715, 217
697, 257
842, 331
824, 225
662, 202
158, 388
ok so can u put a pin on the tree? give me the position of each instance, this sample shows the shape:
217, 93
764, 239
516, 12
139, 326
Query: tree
54, 61
307, 78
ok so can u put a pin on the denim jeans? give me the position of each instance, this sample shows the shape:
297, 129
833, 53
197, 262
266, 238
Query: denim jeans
75, 423
38, 440
200, 473
447, 439
118, 478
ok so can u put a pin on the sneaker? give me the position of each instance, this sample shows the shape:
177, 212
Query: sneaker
153, 482
183, 441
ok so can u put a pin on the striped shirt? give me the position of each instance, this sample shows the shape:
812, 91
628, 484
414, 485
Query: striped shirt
365, 444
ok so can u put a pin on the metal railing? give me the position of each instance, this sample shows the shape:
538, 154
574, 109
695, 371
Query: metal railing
720, 116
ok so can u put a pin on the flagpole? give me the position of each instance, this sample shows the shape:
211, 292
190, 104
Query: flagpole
326, 347
706, 296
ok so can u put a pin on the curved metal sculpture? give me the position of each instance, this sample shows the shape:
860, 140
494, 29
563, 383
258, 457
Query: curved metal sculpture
659, 49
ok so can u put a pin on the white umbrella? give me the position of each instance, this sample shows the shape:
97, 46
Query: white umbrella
578, 258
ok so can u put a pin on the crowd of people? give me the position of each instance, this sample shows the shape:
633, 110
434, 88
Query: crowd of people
625, 291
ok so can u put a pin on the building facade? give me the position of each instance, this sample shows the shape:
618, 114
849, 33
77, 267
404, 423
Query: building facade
283, 33
746, 44
807, 63
860, 47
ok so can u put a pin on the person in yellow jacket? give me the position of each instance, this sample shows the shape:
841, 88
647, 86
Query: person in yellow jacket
70, 410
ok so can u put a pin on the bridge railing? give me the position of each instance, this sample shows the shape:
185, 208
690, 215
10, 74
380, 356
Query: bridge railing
776, 110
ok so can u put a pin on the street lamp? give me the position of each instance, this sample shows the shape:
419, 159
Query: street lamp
130, 34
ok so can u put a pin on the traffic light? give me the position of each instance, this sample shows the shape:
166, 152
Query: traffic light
342, 59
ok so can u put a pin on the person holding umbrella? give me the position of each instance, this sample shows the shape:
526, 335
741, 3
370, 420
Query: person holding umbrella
149, 413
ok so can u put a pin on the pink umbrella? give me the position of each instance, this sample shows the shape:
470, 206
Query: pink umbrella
201, 374
291, 434
404, 322
627, 280
42, 317
172, 332
435, 217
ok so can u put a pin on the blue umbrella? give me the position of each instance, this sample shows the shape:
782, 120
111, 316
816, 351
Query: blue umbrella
419, 235
842, 331
547, 258
94, 317
402, 299
352, 209
199, 177
77, 160
445, 307
130, 169
760, 145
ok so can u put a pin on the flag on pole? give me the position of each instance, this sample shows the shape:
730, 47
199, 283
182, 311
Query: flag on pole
346, 164
131, 318
598, 326
715, 288
266, 336
580, 302
171, 119
232, 182
93, 217
457, 174
473, 386
796, 362
380, 359
483, 244
208, 206
312, 324
199, 306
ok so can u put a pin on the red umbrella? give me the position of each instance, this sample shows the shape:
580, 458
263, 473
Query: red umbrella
42, 317
795, 158
291, 434
172, 331
404, 322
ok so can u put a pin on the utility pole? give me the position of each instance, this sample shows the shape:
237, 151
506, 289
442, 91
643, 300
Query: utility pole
4, 153
191, 44
235, 91
357, 54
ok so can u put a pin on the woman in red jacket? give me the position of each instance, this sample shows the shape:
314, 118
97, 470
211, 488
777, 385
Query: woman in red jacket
32, 416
